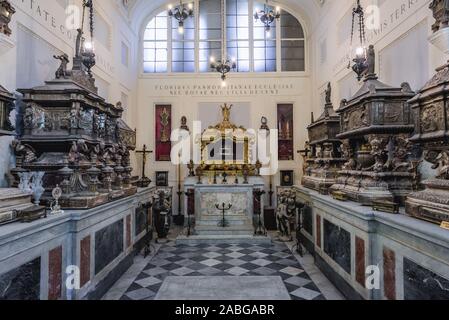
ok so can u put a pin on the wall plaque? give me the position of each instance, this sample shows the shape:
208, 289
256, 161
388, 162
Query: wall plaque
285, 131
163, 125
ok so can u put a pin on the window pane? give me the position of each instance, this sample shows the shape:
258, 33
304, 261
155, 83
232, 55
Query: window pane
290, 27
238, 29
293, 55
210, 20
183, 57
207, 50
239, 50
155, 53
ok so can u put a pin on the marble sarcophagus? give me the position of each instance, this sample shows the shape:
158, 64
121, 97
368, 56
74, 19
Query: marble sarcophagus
376, 124
75, 137
431, 107
324, 161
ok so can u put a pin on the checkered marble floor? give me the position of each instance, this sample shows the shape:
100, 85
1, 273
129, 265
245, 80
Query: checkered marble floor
223, 260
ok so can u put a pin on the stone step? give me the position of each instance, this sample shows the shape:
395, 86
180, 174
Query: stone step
13, 199
245, 229
218, 239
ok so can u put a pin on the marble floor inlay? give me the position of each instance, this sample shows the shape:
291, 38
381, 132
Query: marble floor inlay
173, 265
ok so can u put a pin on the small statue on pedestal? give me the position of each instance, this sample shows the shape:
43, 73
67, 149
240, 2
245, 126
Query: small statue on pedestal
54, 206
161, 213
285, 213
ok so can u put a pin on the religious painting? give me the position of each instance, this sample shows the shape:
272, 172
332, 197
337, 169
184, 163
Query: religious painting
162, 178
285, 131
287, 178
163, 126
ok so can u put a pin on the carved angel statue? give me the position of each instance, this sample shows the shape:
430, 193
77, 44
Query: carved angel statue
379, 155
285, 213
346, 152
24, 150
442, 165
226, 112
329, 94
399, 161
62, 70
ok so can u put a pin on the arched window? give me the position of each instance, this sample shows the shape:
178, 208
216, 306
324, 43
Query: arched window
228, 23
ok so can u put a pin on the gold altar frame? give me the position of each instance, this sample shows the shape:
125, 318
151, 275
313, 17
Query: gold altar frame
226, 131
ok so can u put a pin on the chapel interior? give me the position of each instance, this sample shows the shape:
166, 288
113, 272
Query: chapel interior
224, 150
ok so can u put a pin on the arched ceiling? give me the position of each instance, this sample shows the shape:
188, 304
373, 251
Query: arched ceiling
306, 10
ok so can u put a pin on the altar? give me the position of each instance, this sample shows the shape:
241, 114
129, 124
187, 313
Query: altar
223, 196
204, 217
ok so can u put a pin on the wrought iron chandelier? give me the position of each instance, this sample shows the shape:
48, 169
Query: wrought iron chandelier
267, 16
88, 54
181, 13
360, 61
223, 67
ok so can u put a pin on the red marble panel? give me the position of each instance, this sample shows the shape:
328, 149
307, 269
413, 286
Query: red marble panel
85, 261
318, 231
389, 273
128, 231
360, 266
55, 274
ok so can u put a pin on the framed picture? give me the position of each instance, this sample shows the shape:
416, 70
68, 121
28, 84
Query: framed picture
161, 178
287, 178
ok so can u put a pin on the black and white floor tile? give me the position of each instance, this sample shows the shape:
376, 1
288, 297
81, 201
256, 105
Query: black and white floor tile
223, 260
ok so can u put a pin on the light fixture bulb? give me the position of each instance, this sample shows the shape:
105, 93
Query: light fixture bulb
181, 30
278, 9
190, 6
170, 7
223, 84
360, 52
88, 46
212, 59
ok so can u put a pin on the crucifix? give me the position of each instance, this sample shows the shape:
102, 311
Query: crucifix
144, 180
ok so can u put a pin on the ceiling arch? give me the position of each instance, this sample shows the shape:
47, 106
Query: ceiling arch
306, 10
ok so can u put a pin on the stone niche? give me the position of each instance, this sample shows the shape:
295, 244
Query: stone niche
430, 108
77, 138
376, 124
323, 158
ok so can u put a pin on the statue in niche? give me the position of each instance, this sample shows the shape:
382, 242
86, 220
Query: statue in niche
28, 118
62, 70
74, 118
378, 153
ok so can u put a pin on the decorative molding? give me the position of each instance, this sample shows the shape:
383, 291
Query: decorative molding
440, 39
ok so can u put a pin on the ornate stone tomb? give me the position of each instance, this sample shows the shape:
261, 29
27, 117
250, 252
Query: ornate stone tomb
375, 126
325, 161
77, 138
430, 109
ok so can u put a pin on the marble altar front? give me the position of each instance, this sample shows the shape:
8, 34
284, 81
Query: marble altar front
203, 217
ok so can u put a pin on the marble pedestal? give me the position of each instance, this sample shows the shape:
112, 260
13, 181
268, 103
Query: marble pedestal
207, 218
350, 241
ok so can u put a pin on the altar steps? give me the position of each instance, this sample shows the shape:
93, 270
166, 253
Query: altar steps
219, 239
233, 230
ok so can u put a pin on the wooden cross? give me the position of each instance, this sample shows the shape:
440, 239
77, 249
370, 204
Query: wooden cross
144, 153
